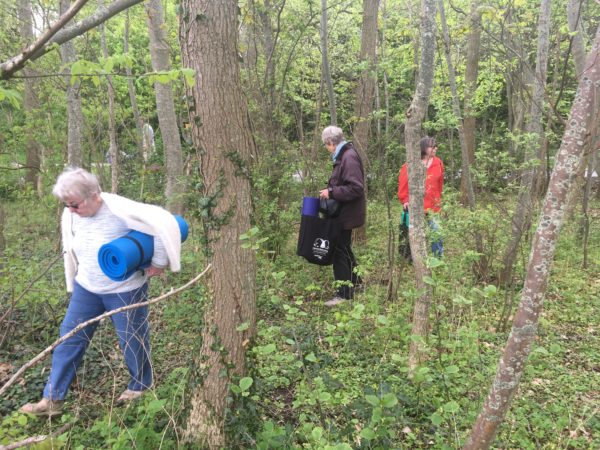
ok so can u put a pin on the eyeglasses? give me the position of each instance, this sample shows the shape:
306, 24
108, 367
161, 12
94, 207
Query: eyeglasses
74, 205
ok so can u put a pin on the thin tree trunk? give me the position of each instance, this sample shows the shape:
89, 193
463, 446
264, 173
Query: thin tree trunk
113, 149
416, 183
2, 240
209, 45
165, 108
74, 110
137, 118
325, 63
581, 128
471, 73
521, 220
31, 101
365, 90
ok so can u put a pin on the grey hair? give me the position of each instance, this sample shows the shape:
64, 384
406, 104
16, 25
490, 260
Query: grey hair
332, 135
75, 182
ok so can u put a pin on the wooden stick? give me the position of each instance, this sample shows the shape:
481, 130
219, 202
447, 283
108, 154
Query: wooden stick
35, 439
79, 327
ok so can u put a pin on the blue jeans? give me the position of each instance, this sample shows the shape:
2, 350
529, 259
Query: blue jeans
437, 245
132, 329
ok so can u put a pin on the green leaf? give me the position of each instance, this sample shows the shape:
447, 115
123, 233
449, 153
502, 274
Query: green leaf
22, 420
245, 383
451, 407
154, 406
368, 434
311, 357
430, 281
432, 263
372, 399
389, 400
324, 396
450, 370
266, 349
436, 419
317, 433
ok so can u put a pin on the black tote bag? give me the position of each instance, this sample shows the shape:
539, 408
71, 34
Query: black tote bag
317, 239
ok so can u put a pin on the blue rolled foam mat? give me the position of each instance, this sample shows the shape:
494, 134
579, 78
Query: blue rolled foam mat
122, 257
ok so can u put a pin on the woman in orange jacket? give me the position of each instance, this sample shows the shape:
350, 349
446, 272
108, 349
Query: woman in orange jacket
434, 185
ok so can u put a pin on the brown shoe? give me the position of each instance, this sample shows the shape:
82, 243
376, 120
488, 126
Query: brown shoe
128, 396
45, 407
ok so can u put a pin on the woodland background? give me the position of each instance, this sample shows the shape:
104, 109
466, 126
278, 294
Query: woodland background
236, 94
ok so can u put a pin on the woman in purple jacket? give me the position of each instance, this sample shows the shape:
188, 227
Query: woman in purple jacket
346, 185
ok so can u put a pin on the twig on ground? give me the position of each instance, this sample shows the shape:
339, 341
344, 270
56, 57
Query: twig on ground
36, 439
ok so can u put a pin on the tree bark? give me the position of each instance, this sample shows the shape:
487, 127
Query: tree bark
471, 73
209, 45
365, 90
165, 108
582, 127
74, 110
31, 101
113, 148
325, 64
521, 220
416, 182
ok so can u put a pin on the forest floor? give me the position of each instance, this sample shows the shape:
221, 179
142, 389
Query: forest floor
323, 377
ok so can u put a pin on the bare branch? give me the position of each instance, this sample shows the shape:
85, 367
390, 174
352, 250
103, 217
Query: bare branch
16, 63
60, 36
79, 327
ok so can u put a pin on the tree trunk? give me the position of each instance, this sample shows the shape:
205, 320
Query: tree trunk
137, 118
31, 101
165, 108
2, 240
325, 64
471, 73
113, 149
68, 55
580, 130
365, 90
209, 45
521, 220
416, 182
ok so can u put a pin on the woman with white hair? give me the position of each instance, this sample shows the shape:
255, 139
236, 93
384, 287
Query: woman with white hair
346, 185
92, 218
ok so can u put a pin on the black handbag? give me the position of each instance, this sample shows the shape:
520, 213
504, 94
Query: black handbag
317, 240
330, 207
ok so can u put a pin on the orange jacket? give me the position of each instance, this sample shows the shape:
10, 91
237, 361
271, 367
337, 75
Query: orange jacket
434, 184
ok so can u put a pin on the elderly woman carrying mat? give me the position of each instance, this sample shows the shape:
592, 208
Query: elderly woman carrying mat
91, 219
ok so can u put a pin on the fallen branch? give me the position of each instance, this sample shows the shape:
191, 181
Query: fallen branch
79, 327
36, 439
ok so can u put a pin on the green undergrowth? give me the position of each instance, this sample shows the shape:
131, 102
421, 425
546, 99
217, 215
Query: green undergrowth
319, 377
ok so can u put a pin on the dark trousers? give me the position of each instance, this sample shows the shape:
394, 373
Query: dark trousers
344, 263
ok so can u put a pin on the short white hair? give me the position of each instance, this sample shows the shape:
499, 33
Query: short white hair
332, 135
75, 182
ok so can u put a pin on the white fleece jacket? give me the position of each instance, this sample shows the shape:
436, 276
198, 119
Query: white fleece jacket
149, 219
